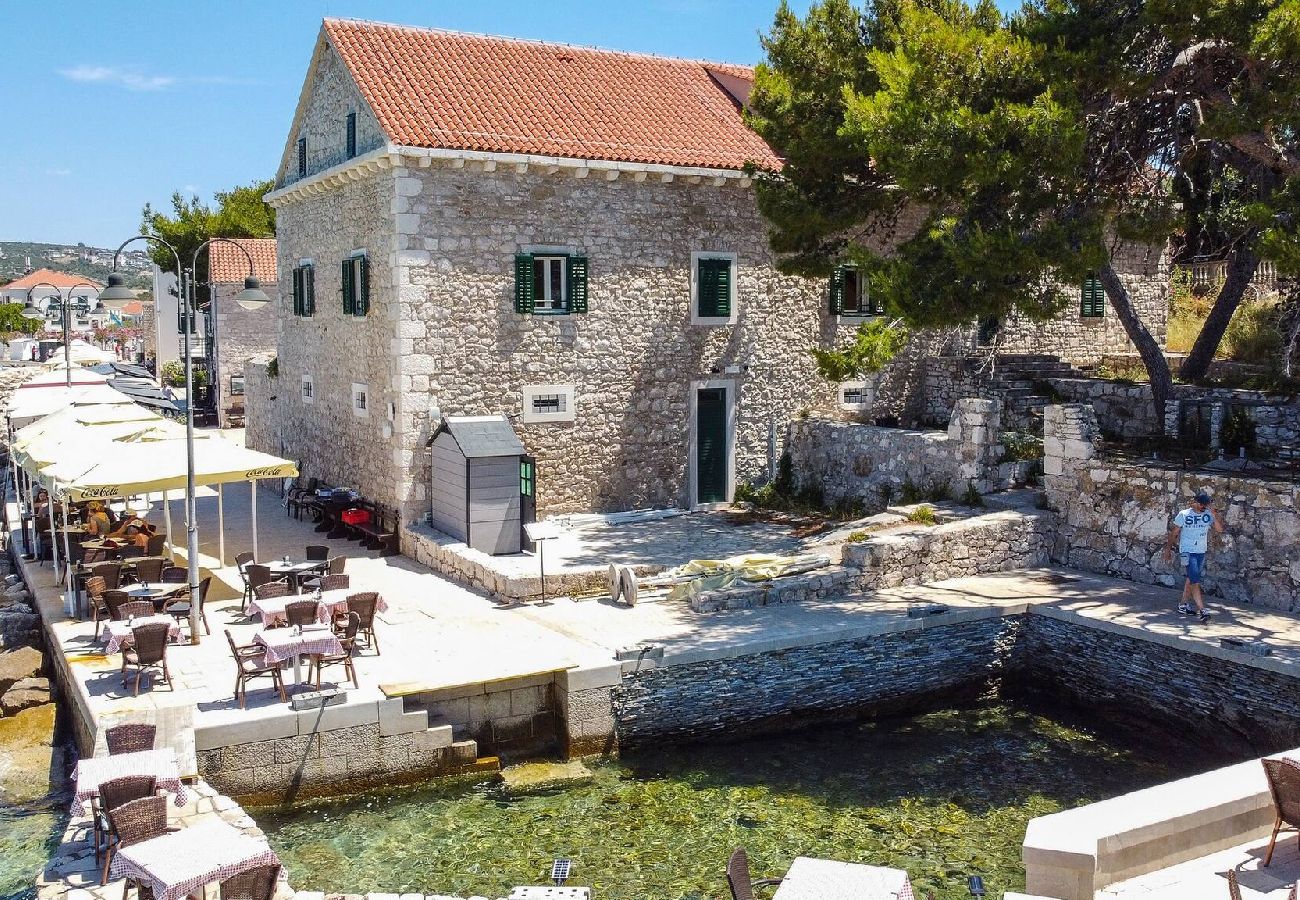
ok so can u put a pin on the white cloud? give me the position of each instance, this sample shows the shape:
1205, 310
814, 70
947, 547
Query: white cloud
60, 173
127, 77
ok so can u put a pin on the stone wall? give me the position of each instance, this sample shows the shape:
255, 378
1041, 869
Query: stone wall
262, 407
241, 335
852, 462
750, 694
1114, 517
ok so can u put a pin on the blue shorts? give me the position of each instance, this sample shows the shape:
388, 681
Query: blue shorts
1195, 563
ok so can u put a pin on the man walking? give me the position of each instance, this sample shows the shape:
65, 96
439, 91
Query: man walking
1191, 528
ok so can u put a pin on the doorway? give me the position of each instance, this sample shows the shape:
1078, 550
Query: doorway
712, 439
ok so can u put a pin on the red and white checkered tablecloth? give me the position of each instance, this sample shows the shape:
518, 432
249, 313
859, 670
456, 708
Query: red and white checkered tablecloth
337, 600
271, 611
161, 764
283, 644
182, 862
827, 879
119, 633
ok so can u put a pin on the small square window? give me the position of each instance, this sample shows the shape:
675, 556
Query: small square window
360, 401
236, 385
856, 395
851, 294
308, 390
548, 403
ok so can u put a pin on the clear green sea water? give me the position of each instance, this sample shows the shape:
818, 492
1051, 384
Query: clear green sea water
942, 795
28, 835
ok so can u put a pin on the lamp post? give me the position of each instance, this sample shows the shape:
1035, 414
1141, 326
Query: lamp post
30, 311
117, 295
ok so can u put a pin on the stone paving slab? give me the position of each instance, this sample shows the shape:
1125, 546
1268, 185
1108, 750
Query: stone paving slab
1206, 878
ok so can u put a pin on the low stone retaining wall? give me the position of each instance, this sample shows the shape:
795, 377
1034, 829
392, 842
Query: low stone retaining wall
849, 462
1114, 517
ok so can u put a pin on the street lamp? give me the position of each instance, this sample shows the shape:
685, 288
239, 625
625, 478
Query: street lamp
31, 311
116, 296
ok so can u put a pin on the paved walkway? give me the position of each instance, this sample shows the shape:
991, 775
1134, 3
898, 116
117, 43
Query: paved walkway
1206, 878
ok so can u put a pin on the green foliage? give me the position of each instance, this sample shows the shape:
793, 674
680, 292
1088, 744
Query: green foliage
911, 492
874, 344
11, 320
172, 373
972, 497
923, 515
938, 491
1238, 432
273, 367
1020, 445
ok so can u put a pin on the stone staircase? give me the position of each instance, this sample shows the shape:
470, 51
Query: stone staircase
1018, 380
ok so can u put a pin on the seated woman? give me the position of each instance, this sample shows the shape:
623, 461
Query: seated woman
97, 523
131, 520
136, 535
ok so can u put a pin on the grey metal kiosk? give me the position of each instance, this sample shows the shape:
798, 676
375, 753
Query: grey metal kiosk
475, 484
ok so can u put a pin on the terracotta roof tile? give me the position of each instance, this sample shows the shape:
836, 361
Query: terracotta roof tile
58, 279
227, 264
442, 89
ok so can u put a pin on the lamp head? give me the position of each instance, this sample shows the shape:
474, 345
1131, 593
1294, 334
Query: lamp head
117, 294
251, 297
31, 310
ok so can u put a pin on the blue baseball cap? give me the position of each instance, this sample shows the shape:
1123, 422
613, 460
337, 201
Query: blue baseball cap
1202, 498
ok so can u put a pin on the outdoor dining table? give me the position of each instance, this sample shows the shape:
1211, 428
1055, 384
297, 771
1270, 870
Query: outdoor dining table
282, 644
826, 879
272, 610
161, 764
156, 593
180, 863
120, 636
295, 570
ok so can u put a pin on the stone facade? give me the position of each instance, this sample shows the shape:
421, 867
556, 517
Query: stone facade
241, 334
849, 462
1114, 517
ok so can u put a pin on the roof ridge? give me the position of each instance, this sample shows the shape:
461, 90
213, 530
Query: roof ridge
539, 42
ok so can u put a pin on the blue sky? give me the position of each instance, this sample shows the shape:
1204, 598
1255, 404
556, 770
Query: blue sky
114, 104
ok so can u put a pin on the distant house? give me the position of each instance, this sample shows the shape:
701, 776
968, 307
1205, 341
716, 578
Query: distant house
473, 226
51, 290
239, 334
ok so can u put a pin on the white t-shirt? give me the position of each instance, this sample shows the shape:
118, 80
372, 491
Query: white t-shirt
1195, 534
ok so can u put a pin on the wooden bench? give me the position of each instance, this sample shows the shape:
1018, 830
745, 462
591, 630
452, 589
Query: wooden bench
235, 415
380, 533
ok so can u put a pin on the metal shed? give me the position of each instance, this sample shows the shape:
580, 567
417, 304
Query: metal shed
476, 483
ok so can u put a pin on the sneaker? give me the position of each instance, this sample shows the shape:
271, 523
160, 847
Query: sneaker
1187, 609
1203, 615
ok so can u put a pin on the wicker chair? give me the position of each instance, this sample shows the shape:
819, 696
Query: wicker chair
273, 589
148, 650
337, 565
94, 555
95, 590
254, 884
179, 608
317, 553
130, 737
137, 609
738, 876
157, 543
363, 605
111, 572
1284, 783
133, 823
250, 663
149, 569
329, 583
301, 612
174, 575
112, 794
348, 638
114, 600
254, 576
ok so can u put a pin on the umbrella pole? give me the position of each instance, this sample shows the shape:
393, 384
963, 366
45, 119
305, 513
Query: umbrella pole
167, 519
67, 551
253, 487
221, 524
54, 541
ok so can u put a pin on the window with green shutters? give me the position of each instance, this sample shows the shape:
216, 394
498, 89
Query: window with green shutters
713, 283
351, 136
356, 286
1092, 303
850, 294
304, 290
550, 283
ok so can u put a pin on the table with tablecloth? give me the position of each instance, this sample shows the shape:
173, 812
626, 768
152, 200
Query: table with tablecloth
283, 644
827, 879
120, 636
180, 863
272, 610
94, 771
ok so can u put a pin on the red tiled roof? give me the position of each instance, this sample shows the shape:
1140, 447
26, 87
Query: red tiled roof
60, 280
227, 264
443, 89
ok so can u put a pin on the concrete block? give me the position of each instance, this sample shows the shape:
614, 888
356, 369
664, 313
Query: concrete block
589, 677
435, 738
330, 718
394, 719
282, 724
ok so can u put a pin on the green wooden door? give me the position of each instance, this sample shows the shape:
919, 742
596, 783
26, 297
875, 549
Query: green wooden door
711, 445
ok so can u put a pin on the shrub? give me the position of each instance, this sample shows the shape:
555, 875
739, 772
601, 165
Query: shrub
911, 492
856, 537
923, 515
172, 373
1020, 445
273, 367
1238, 432
938, 491
972, 497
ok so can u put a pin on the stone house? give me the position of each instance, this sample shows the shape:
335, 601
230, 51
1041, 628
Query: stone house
239, 334
474, 225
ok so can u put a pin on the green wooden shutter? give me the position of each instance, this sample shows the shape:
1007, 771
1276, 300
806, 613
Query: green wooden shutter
837, 291
723, 302
714, 289
297, 291
351, 135
363, 300
1092, 303
349, 288
309, 290
577, 281
525, 290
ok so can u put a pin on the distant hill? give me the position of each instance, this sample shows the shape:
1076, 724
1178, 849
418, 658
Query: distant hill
17, 258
